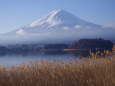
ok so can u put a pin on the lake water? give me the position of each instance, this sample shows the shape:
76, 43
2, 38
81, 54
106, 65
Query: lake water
11, 58
20, 57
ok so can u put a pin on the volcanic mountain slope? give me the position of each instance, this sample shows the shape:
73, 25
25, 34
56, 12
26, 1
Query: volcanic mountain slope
59, 26
55, 21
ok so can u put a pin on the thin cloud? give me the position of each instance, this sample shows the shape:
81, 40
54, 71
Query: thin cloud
66, 28
78, 26
40, 34
111, 25
21, 32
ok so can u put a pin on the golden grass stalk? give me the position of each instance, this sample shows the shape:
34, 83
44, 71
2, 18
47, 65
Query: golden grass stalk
85, 72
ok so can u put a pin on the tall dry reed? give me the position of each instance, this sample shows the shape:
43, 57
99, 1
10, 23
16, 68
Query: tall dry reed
85, 72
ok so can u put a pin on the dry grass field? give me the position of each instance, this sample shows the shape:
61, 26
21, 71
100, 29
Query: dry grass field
85, 72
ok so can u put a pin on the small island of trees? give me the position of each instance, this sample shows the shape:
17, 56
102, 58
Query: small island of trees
92, 44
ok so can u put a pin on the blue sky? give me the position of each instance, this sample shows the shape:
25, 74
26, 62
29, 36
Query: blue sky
15, 14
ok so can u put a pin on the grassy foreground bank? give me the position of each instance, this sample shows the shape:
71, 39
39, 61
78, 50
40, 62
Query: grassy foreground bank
88, 72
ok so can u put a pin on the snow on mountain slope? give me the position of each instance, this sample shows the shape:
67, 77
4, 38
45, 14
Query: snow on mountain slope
56, 20
58, 27
59, 17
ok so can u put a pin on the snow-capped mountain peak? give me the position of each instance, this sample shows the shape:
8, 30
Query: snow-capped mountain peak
57, 27
59, 17
54, 18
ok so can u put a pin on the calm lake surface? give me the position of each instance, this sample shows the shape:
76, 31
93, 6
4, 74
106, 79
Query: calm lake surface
20, 57
14, 58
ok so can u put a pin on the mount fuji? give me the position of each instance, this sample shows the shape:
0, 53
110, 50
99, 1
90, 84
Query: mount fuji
59, 26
